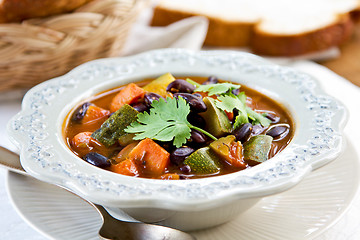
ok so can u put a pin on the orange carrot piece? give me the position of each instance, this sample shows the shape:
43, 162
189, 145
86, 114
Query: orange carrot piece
83, 143
127, 95
170, 176
94, 113
127, 167
124, 153
81, 140
151, 156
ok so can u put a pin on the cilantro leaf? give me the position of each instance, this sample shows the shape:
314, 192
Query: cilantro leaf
258, 118
217, 88
230, 101
166, 121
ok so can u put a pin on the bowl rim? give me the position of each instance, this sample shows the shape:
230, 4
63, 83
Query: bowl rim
37, 130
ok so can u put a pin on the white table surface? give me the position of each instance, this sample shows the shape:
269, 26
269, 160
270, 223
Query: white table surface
13, 227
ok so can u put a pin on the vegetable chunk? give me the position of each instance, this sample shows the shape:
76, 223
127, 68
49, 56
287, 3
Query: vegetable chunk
203, 161
83, 143
159, 85
256, 150
229, 150
127, 167
94, 113
151, 156
217, 122
129, 94
113, 128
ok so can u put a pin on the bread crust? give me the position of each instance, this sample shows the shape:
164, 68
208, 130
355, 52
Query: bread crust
223, 33
220, 32
269, 44
18, 10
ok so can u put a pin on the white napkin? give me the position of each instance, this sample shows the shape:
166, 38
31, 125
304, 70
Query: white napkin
189, 33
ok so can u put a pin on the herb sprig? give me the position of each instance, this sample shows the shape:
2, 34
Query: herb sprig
227, 101
166, 121
217, 88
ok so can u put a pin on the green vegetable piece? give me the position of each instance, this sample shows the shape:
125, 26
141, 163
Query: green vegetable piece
256, 149
203, 161
217, 122
114, 127
159, 85
221, 147
126, 139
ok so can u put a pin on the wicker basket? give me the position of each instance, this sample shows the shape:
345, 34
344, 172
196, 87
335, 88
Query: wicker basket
39, 49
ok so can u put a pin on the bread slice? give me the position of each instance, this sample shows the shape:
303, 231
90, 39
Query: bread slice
274, 28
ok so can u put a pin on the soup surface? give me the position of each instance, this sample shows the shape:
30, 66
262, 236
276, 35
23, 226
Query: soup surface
178, 128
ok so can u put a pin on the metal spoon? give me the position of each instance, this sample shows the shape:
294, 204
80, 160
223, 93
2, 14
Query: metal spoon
112, 228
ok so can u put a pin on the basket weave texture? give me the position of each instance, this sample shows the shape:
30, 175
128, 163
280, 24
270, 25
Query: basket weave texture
39, 49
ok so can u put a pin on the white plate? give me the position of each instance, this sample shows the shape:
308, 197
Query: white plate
302, 212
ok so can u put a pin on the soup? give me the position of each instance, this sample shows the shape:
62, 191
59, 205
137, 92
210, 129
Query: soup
178, 128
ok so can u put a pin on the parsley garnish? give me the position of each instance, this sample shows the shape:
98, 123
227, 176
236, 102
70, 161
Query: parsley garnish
230, 101
166, 121
217, 88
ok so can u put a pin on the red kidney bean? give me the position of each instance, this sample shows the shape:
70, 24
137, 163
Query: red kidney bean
185, 169
150, 97
243, 133
196, 120
197, 137
236, 91
257, 129
273, 117
180, 86
196, 103
140, 107
180, 154
97, 160
277, 131
211, 80
80, 112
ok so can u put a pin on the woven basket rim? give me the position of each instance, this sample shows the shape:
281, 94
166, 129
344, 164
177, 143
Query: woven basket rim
136, 5
30, 54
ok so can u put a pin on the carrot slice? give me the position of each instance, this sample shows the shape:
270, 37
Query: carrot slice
127, 167
152, 157
94, 113
124, 153
82, 143
81, 140
129, 94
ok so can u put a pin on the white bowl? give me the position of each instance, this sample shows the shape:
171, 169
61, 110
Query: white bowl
189, 204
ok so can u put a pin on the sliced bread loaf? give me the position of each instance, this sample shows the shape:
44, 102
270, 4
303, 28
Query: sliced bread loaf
275, 28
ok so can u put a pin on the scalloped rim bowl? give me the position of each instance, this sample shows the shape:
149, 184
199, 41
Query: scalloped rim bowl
37, 131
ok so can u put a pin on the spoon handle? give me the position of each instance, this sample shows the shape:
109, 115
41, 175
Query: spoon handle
11, 161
